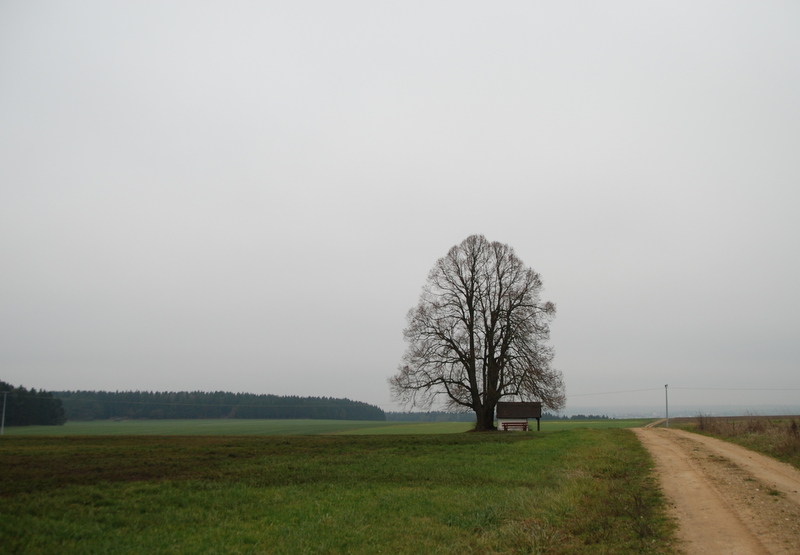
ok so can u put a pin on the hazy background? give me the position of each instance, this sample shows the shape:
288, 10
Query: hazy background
248, 196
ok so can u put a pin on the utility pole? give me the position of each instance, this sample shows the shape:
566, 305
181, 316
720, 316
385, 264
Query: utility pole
3, 425
666, 395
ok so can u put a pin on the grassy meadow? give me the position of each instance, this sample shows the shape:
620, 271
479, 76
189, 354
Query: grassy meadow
573, 490
209, 427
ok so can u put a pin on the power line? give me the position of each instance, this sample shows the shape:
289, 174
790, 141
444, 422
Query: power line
734, 389
685, 389
614, 392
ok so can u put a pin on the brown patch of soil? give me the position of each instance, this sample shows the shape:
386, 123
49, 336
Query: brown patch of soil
727, 499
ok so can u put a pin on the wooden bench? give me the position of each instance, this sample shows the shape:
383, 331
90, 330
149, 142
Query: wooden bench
515, 426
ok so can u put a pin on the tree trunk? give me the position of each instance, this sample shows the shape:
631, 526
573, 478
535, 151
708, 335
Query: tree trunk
485, 419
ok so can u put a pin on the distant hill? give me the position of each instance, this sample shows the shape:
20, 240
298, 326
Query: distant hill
102, 405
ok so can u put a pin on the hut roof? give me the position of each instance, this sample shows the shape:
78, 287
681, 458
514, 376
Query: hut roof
519, 410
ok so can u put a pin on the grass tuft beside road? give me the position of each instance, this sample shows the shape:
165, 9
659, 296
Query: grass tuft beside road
574, 491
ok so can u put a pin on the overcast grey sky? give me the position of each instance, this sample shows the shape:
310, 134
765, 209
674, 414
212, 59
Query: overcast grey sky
248, 196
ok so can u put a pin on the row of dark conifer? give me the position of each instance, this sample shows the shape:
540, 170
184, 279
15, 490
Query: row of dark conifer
97, 405
30, 407
26, 407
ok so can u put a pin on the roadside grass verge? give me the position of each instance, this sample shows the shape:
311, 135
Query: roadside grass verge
778, 437
575, 491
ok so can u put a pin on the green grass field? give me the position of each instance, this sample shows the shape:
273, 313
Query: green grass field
577, 490
199, 427
286, 427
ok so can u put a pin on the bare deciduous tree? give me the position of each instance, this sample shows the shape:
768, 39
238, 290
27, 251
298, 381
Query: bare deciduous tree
479, 334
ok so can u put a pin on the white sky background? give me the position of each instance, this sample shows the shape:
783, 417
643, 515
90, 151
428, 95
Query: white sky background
249, 196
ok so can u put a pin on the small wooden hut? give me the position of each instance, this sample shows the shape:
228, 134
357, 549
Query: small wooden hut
515, 415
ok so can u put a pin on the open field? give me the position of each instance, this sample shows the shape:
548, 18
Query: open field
580, 490
458, 427
205, 427
776, 436
285, 427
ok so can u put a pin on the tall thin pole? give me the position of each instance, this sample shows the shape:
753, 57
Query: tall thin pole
666, 396
3, 425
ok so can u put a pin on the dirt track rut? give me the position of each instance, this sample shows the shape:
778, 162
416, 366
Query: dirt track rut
727, 499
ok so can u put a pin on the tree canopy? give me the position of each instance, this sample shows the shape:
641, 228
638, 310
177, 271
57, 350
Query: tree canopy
478, 334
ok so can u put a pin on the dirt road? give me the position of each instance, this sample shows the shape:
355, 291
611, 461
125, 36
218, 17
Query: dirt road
727, 499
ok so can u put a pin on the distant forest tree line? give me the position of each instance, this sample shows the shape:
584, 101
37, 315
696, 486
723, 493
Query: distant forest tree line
28, 407
103, 405
31, 407
548, 416
443, 416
